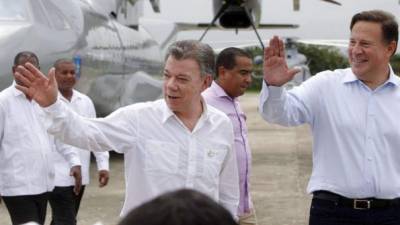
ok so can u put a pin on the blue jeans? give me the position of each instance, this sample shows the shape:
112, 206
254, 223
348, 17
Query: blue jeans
326, 212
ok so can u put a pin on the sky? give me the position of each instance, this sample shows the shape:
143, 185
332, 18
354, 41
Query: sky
316, 19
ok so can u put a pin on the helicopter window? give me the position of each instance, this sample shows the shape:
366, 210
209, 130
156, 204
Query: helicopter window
13, 10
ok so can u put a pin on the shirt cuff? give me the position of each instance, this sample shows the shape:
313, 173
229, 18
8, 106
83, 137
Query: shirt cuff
56, 106
103, 166
272, 92
268, 93
74, 161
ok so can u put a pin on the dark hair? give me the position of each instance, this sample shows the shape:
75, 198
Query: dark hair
192, 49
227, 58
181, 207
25, 55
62, 61
390, 27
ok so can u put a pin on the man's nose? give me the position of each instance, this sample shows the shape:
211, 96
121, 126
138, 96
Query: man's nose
249, 78
357, 48
171, 84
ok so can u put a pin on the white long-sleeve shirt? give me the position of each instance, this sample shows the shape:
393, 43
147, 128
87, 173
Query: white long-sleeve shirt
82, 105
26, 166
356, 131
161, 154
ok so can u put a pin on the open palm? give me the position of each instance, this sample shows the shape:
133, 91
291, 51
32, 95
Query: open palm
36, 85
276, 71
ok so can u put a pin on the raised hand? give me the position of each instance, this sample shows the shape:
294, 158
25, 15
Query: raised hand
35, 85
276, 71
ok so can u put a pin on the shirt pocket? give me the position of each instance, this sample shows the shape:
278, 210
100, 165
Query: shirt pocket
17, 129
161, 157
214, 157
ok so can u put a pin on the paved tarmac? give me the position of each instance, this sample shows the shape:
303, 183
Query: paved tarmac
280, 172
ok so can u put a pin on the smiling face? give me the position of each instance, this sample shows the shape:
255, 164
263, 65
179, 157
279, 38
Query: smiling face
369, 54
235, 81
65, 76
183, 85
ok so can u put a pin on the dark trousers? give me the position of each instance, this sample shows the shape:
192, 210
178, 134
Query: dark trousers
27, 208
65, 205
326, 212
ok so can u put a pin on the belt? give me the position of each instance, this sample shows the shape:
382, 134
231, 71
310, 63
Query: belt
365, 203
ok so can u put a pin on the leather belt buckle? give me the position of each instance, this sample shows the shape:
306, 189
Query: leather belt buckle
361, 204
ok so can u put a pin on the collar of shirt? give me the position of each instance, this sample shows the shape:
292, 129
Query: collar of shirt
393, 79
220, 92
167, 114
17, 92
75, 97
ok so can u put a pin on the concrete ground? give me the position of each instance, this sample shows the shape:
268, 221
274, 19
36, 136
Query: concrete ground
281, 168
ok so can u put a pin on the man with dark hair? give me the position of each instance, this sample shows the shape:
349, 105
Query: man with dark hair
353, 114
26, 169
234, 67
181, 207
66, 197
172, 143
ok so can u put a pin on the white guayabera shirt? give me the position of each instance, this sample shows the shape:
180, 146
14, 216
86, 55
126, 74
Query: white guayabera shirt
26, 166
161, 154
82, 105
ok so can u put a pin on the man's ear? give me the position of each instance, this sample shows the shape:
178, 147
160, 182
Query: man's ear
221, 72
207, 81
392, 47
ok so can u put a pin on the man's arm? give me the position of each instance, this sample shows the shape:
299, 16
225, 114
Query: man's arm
115, 132
76, 172
102, 160
71, 155
276, 105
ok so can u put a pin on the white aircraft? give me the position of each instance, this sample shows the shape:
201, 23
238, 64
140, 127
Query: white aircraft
117, 65
239, 14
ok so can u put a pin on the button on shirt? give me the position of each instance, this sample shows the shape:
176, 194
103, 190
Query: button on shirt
161, 154
217, 97
356, 131
82, 105
26, 167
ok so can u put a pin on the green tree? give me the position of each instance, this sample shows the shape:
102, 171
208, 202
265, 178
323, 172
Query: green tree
322, 58
395, 62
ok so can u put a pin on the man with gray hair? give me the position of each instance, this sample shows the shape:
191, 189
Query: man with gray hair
172, 143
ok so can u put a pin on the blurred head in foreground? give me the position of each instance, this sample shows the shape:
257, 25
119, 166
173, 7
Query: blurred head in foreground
180, 207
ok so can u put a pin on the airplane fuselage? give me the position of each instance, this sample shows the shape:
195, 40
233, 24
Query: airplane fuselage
118, 65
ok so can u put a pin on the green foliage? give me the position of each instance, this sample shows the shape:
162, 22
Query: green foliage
319, 58
322, 58
395, 62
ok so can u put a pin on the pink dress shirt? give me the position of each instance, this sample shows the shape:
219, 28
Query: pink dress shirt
217, 97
